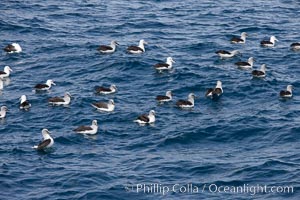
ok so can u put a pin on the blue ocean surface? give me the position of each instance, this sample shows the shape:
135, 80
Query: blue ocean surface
247, 138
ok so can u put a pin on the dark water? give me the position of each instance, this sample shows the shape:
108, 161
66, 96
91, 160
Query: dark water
248, 137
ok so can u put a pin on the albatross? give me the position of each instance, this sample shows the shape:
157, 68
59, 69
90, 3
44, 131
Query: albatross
165, 66
227, 54
47, 141
269, 43
61, 100
164, 98
215, 92
13, 48
189, 103
137, 49
259, 73
146, 119
44, 86
295, 46
24, 103
105, 106
108, 49
286, 93
240, 40
245, 65
6, 72
106, 90
91, 130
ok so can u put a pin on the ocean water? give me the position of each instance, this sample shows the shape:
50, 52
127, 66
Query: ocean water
248, 137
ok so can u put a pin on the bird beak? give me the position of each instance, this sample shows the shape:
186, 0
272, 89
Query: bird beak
173, 61
145, 42
10, 70
53, 83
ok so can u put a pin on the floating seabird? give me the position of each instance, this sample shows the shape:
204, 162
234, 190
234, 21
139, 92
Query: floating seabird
164, 98
47, 141
108, 49
240, 40
3, 111
215, 92
227, 54
146, 119
44, 86
164, 66
1, 84
6, 72
137, 49
61, 100
24, 104
245, 65
260, 73
270, 43
187, 103
13, 48
88, 129
286, 93
105, 90
295, 46
103, 106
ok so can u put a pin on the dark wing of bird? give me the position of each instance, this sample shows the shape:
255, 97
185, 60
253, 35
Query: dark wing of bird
56, 100
296, 44
161, 65
43, 144
83, 128
162, 97
144, 118
9, 48
104, 48
100, 105
134, 48
41, 86
257, 73
183, 102
265, 42
25, 104
236, 40
102, 89
223, 52
208, 91
2, 72
242, 63
284, 93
